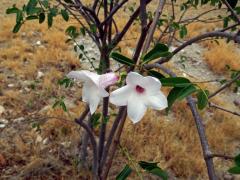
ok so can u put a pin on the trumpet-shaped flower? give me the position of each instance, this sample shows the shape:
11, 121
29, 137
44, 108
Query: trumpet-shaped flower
93, 86
138, 94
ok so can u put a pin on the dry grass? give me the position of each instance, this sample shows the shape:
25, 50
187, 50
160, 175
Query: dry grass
221, 54
171, 140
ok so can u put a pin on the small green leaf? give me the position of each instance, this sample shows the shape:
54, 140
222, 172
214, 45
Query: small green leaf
41, 18
69, 1
45, 3
50, 20
95, 119
65, 14
237, 160
12, 10
124, 173
183, 31
234, 170
156, 74
32, 17
30, 6
19, 16
121, 59
160, 50
175, 82
179, 93
202, 97
153, 169
17, 27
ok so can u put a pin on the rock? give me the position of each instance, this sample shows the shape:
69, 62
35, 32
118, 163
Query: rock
39, 139
38, 43
40, 75
45, 141
66, 144
3, 123
2, 109
2, 126
10, 85
18, 119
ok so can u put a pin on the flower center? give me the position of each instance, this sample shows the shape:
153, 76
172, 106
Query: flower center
139, 89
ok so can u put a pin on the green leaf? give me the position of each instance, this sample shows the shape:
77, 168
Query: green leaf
175, 82
153, 169
72, 31
32, 17
172, 96
31, 6
69, 1
202, 97
95, 119
160, 50
62, 104
54, 11
186, 91
41, 18
17, 27
121, 59
232, 3
179, 93
65, 14
124, 173
183, 31
12, 10
45, 3
50, 20
234, 170
156, 74
237, 160
19, 16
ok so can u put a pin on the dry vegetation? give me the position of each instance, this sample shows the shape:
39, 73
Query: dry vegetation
50, 151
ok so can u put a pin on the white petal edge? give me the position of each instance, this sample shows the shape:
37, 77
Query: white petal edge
84, 76
157, 101
90, 95
136, 108
133, 78
120, 96
151, 84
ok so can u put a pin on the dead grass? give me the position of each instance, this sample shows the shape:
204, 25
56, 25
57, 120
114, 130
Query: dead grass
221, 54
171, 140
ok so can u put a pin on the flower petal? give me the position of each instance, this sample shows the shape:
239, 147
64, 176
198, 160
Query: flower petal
136, 108
84, 76
157, 101
120, 96
90, 95
134, 78
151, 84
107, 79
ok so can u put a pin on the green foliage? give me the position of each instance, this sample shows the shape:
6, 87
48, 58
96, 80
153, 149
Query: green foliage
66, 82
153, 168
159, 50
60, 102
124, 173
121, 59
236, 168
202, 97
95, 119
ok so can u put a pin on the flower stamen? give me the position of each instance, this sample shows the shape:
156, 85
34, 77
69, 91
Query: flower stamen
139, 89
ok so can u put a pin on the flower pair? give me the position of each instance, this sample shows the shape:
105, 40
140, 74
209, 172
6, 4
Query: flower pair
138, 93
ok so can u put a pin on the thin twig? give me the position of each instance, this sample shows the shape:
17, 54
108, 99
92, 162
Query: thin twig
223, 109
228, 84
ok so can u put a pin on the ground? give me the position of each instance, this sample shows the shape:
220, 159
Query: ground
37, 141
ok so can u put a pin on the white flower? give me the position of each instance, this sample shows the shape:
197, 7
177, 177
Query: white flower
94, 86
139, 93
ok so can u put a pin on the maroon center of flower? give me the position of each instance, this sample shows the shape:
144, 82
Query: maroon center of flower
139, 89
